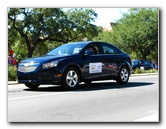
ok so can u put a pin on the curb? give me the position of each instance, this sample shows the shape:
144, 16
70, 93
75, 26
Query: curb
132, 75
12, 82
145, 74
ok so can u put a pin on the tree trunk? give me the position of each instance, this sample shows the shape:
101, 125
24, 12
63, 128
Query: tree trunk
30, 49
30, 52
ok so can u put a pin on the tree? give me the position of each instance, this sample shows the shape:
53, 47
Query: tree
136, 33
81, 21
35, 25
38, 26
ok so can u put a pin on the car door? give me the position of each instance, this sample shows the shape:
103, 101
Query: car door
112, 58
92, 62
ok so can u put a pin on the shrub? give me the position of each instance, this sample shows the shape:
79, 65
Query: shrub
12, 73
151, 71
138, 71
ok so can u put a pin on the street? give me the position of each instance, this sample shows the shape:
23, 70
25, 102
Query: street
102, 101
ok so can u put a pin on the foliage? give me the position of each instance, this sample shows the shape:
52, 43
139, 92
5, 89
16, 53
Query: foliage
140, 71
136, 33
12, 71
81, 20
35, 28
105, 36
137, 71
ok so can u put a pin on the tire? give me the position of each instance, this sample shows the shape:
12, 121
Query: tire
123, 75
71, 78
32, 86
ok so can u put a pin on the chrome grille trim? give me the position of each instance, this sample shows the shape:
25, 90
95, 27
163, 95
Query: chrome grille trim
28, 66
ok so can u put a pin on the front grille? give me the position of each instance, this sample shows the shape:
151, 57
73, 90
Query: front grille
27, 66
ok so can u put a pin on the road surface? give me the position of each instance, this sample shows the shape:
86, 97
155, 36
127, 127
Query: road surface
102, 101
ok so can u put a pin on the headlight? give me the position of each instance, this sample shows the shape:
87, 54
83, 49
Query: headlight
49, 65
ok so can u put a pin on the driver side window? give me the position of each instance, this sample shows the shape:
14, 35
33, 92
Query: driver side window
94, 49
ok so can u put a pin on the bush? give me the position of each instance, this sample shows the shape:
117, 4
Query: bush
151, 71
12, 73
139, 71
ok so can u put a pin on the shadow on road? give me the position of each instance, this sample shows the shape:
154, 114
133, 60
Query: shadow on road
111, 85
93, 86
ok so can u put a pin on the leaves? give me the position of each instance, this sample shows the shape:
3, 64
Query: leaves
136, 33
37, 26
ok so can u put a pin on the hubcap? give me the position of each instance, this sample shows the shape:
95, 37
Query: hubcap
72, 78
124, 75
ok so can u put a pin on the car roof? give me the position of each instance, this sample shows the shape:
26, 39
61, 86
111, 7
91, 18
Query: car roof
86, 42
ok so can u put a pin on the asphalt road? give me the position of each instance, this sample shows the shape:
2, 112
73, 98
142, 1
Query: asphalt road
102, 101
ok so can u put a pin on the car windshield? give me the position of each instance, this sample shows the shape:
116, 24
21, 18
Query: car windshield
134, 62
67, 49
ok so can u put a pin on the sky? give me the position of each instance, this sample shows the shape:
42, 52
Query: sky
107, 15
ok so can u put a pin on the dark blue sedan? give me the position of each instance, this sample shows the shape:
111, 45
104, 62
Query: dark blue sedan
72, 63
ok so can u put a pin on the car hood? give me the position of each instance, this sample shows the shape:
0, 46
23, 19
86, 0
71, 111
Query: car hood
46, 58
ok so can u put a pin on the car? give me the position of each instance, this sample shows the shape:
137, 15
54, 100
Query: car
141, 64
155, 65
73, 63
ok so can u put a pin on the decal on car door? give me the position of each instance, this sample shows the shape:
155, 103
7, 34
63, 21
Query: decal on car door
95, 67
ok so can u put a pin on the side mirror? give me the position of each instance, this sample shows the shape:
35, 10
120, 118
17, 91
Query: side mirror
89, 52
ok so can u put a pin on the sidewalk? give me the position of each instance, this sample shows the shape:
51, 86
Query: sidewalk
12, 82
132, 75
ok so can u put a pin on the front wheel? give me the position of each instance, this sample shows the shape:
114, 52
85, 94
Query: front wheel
123, 76
71, 78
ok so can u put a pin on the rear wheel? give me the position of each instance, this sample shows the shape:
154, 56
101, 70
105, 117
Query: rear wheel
123, 76
32, 86
71, 78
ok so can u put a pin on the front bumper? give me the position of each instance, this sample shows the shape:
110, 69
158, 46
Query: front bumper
42, 77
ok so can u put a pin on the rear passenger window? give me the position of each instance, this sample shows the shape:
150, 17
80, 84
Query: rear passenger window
109, 50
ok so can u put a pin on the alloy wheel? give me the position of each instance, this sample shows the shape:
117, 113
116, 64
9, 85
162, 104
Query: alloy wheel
72, 78
124, 75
